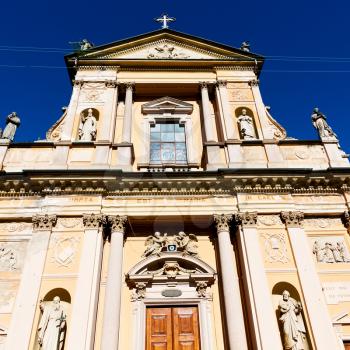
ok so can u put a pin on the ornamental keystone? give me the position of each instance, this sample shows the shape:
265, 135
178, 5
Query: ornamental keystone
43, 222
222, 222
292, 218
247, 218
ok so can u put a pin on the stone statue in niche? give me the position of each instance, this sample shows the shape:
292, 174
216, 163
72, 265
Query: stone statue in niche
188, 243
155, 244
12, 123
181, 242
87, 126
246, 126
52, 326
319, 121
330, 252
294, 332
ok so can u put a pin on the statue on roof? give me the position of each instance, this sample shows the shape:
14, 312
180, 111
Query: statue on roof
245, 46
319, 121
12, 123
85, 44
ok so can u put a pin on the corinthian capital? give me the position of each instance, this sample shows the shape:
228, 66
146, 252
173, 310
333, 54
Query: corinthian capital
292, 218
254, 82
222, 222
346, 220
129, 85
247, 218
204, 84
78, 82
221, 83
43, 222
111, 83
92, 221
117, 222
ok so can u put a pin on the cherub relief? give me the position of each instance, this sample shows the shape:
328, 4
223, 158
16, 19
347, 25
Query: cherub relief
155, 244
187, 243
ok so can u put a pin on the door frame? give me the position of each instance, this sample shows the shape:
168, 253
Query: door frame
204, 316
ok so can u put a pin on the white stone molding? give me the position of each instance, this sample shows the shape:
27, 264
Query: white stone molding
148, 285
170, 109
292, 218
258, 291
28, 292
43, 222
230, 282
321, 324
111, 315
83, 319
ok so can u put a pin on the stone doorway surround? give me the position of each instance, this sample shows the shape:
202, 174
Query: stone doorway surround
171, 279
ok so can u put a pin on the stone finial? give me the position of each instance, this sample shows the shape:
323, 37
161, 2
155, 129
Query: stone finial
92, 221
319, 121
247, 218
117, 222
292, 218
222, 222
44, 222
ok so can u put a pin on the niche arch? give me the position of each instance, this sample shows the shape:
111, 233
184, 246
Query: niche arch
277, 291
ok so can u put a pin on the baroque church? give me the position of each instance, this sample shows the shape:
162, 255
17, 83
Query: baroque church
168, 210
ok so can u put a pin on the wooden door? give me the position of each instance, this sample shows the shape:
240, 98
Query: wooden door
347, 345
174, 328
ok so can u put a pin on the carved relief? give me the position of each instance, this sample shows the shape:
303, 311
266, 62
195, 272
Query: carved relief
171, 269
181, 242
12, 255
275, 248
330, 250
93, 92
8, 292
201, 288
166, 51
269, 220
139, 292
322, 223
70, 223
64, 250
17, 226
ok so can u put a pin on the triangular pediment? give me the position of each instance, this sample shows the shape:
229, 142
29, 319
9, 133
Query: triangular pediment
167, 105
167, 44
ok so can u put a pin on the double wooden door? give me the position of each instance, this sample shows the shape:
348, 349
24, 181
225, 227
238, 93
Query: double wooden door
172, 328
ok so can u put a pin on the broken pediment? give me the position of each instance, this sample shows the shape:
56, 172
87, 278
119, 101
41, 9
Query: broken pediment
167, 105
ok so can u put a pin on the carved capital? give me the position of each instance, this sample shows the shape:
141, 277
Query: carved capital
129, 85
44, 222
246, 219
222, 83
139, 291
78, 82
117, 223
201, 288
92, 221
204, 84
346, 220
111, 83
223, 222
254, 82
292, 218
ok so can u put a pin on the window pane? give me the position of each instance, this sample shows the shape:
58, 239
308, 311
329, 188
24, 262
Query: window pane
155, 128
155, 155
181, 155
168, 136
179, 128
167, 127
180, 145
168, 152
155, 136
179, 137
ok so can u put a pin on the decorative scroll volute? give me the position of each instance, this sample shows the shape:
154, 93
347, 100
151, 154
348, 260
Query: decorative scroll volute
292, 218
44, 222
246, 219
223, 222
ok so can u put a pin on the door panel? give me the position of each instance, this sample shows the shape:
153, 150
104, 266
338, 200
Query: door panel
186, 328
158, 329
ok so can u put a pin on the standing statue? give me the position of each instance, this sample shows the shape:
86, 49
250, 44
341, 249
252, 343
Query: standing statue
85, 45
155, 244
320, 123
294, 332
12, 123
87, 127
187, 243
245, 46
246, 126
52, 326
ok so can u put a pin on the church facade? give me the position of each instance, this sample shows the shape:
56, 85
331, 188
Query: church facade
167, 209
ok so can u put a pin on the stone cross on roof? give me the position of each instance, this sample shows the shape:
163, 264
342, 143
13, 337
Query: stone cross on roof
164, 19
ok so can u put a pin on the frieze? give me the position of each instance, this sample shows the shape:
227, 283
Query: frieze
16, 227
270, 220
69, 223
322, 223
330, 250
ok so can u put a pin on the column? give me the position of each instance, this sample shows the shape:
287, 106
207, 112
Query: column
264, 321
111, 311
230, 283
108, 120
82, 328
28, 293
321, 324
72, 109
208, 127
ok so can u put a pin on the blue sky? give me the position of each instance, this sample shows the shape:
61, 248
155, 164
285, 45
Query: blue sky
305, 42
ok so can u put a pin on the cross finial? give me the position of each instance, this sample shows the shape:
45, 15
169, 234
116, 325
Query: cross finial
164, 19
